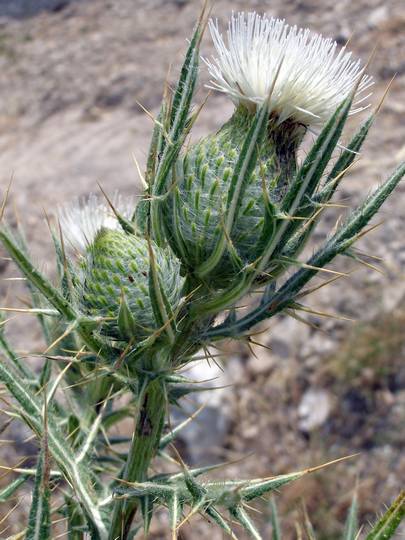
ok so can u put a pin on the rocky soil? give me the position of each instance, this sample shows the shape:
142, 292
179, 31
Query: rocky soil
73, 76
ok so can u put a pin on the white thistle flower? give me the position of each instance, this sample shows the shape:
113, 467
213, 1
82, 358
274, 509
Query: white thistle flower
314, 77
81, 220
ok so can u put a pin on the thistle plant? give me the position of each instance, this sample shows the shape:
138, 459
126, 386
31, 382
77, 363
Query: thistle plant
141, 289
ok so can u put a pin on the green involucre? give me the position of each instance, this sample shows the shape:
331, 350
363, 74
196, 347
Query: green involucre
115, 273
195, 211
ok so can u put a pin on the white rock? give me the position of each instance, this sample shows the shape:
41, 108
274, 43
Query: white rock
314, 409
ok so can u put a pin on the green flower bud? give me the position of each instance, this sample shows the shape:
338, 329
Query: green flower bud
114, 284
116, 277
195, 212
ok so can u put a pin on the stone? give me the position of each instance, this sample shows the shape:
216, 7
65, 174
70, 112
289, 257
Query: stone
314, 409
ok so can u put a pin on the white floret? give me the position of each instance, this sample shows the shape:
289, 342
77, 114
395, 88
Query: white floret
81, 220
314, 76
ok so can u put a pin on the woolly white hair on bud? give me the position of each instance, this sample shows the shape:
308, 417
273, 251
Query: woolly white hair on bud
81, 220
314, 77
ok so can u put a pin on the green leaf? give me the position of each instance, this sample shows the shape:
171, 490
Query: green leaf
38, 301
39, 521
351, 527
147, 513
8, 491
179, 125
276, 533
35, 277
186, 84
296, 235
219, 520
32, 412
11, 355
160, 304
390, 521
310, 173
345, 236
174, 507
241, 516
53, 296
349, 154
75, 522
156, 146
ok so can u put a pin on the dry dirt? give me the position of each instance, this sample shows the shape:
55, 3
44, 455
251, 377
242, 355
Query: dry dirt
72, 76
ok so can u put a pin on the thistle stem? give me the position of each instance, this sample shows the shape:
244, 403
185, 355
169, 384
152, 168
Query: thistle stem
145, 442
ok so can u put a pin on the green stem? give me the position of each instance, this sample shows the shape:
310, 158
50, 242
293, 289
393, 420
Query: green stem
145, 442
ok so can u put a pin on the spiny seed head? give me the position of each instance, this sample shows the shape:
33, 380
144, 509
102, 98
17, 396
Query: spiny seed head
314, 76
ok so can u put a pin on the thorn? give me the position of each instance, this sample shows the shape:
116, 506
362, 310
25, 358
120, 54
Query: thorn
380, 104
154, 120
311, 267
306, 292
304, 321
366, 264
56, 384
339, 177
68, 330
311, 311
138, 168
366, 231
333, 462
32, 311
5, 199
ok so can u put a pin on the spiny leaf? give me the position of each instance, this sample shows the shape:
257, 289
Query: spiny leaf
34, 276
351, 527
36, 296
174, 514
160, 304
156, 147
311, 171
31, 411
53, 296
39, 522
75, 521
276, 532
179, 125
219, 520
349, 154
240, 515
147, 513
11, 355
342, 240
390, 521
7, 492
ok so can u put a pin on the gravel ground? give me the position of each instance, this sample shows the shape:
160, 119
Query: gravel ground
73, 75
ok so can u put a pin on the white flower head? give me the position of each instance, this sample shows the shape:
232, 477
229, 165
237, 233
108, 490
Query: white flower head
82, 220
314, 76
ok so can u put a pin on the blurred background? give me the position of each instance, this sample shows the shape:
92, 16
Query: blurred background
73, 73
